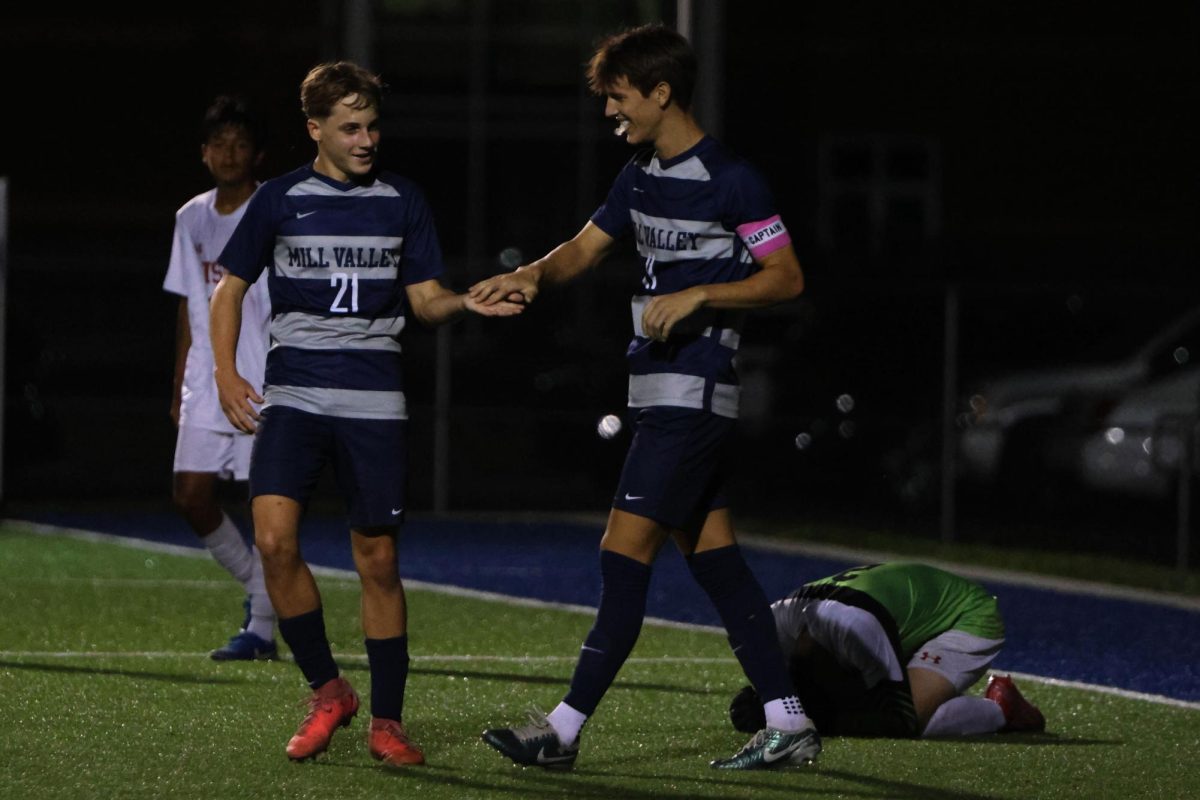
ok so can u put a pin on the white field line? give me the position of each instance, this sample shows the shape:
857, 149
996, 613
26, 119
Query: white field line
1066, 585
340, 574
174, 583
362, 657
1110, 690
817, 550
463, 658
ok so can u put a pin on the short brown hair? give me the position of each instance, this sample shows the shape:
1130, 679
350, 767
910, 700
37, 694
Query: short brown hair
645, 56
328, 84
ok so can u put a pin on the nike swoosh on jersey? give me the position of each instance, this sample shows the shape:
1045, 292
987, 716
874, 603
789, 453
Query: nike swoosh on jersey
396, 511
303, 214
629, 496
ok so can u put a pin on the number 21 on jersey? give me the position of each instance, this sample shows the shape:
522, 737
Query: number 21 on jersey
343, 281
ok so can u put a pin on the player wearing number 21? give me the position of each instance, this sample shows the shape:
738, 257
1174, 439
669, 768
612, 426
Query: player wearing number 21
348, 250
713, 246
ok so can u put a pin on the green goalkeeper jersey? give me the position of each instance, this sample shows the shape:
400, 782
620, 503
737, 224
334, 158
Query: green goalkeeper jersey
923, 601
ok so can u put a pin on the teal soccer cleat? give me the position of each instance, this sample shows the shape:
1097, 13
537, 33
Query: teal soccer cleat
771, 748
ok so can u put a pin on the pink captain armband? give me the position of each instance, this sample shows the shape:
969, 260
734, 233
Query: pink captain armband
764, 237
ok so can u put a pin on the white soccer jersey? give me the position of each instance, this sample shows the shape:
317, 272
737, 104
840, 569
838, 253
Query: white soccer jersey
200, 235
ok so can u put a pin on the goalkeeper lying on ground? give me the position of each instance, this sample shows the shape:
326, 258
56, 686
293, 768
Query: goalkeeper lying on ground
888, 650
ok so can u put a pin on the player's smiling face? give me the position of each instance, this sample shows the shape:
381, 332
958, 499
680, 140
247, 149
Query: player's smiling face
638, 116
347, 140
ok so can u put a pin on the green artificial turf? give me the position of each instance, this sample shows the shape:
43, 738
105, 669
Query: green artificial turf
106, 691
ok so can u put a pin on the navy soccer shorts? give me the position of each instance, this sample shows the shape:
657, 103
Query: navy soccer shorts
369, 461
674, 472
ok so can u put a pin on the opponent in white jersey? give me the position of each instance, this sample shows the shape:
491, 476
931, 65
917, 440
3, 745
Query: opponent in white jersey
201, 232
208, 448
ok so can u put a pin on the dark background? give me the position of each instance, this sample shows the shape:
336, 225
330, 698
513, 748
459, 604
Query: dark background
1036, 158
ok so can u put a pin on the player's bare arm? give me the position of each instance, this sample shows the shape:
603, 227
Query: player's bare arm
183, 343
434, 304
779, 280
560, 265
225, 324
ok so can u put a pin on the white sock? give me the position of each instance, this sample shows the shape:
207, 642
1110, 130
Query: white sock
231, 551
785, 714
262, 614
965, 716
567, 722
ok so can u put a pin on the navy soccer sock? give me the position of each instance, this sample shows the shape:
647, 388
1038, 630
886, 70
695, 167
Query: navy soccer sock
744, 610
624, 582
388, 659
305, 635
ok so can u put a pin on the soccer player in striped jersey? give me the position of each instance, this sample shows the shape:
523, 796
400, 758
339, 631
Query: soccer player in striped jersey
207, 447
889, 650
713, 246
349, 250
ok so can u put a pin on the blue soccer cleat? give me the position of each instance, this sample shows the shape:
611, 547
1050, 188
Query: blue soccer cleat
245, 646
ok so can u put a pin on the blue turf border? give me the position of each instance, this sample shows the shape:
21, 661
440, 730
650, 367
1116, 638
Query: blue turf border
1126, 644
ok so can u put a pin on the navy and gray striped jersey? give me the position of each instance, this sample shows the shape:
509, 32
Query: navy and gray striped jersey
698, 218
339, 256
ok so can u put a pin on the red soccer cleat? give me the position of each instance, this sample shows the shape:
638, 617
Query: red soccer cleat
1019, 713
332, 706
389, 743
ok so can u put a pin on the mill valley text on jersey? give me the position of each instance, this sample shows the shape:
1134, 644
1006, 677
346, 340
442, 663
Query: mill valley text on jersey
701, 217
301, 254
338, 256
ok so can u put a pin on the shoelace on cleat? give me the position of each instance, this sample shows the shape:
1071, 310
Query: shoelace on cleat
315, 704
538, 720
759, 740
536, 716
394, 728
